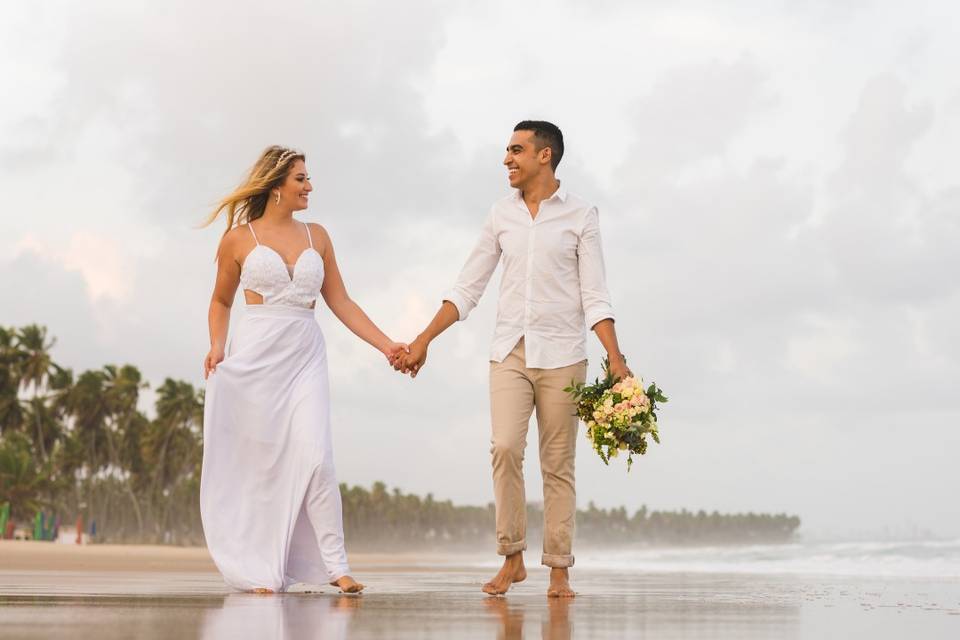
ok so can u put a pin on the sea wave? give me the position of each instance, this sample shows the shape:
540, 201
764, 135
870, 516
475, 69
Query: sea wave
930, 559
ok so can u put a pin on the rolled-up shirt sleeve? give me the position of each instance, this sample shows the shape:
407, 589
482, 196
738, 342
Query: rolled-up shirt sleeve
476, 272
593, 280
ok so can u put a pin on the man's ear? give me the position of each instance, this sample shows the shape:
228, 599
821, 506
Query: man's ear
546, 154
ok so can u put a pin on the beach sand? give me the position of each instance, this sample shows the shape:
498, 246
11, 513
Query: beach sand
105, 591
27, 555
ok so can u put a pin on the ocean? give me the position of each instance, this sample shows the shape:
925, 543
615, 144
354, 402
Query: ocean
902, 559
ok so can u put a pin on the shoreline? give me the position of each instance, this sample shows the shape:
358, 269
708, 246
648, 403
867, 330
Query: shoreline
30, 555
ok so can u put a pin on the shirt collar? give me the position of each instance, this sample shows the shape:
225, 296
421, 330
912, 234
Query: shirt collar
560, 194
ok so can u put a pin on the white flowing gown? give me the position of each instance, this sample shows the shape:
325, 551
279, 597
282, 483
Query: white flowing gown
269, 498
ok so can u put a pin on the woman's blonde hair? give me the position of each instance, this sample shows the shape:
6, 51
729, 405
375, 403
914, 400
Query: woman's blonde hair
247, 202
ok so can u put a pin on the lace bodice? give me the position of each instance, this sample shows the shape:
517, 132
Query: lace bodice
265, 273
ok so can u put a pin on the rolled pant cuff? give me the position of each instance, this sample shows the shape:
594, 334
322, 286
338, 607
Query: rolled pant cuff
557, 561
511, 548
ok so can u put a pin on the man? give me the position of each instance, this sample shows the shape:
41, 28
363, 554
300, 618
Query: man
553, 287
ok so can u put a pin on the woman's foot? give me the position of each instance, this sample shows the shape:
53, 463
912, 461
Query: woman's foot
348, 585
262, 590
512, 571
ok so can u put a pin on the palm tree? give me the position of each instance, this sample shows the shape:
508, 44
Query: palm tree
11, 413
67, 455
171, 445
122, 391
59, 388
87, 408
35, 366
22, 484
48, 427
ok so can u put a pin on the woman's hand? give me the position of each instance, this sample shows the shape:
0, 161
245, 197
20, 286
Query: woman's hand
394, 350
214, 357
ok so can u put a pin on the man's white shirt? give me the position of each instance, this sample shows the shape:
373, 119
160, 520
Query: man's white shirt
553, 285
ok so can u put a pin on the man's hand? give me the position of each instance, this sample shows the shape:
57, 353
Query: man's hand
412, 361
618, 367
394, 350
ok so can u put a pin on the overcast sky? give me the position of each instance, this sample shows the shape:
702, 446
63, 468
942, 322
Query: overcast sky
778, 193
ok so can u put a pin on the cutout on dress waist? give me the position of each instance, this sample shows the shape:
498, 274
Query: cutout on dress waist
251, 297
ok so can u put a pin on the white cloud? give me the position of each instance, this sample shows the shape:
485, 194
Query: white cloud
106, 272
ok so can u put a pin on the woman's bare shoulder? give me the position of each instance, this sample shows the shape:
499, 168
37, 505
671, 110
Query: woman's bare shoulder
317, 229
234, 242
321, 239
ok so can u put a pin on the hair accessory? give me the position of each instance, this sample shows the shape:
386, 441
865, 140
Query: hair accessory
286, 155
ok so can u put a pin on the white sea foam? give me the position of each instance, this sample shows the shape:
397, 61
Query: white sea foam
918, 559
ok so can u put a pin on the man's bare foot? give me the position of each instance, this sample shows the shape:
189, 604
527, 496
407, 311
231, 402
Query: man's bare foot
262, 590
348, 585
560, 584
512, 571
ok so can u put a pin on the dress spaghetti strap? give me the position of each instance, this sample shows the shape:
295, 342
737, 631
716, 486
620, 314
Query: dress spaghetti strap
250, 226
309, 236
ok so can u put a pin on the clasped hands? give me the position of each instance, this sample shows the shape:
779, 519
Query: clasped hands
409, 359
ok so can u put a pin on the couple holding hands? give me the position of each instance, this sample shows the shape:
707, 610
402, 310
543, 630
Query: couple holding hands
269, 499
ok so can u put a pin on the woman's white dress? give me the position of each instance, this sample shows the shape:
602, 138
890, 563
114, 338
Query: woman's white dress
269, 498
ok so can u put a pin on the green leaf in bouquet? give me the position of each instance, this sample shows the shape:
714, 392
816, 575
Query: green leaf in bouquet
655, 393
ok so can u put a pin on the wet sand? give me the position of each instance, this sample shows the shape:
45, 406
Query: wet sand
151, 592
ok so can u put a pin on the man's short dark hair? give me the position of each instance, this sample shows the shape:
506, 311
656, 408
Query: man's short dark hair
545, 134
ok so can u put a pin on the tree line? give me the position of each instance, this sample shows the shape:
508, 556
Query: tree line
382, 519
78, 445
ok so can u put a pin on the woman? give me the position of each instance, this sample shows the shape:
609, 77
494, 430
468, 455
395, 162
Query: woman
269, 498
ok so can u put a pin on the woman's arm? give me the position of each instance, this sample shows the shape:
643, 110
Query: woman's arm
334, 293
224, 290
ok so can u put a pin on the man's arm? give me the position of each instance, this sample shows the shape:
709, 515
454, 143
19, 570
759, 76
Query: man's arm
608, 338
417, 351
597, 309
459, 301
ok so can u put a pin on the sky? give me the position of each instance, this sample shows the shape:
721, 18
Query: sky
778, 199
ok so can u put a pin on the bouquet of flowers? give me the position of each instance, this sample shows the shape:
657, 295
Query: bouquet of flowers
619, 414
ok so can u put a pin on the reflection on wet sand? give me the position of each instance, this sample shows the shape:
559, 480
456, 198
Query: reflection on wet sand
284, 617
448, 604
557, 624
554, 626
511, 620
